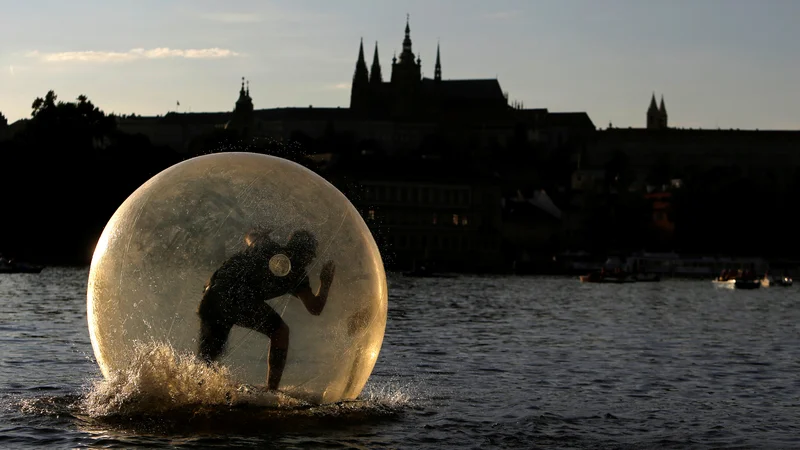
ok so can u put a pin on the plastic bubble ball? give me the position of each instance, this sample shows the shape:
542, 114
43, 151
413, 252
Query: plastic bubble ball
261, 233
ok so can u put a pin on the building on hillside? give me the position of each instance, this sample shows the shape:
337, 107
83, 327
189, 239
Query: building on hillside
407, 94
427, 211
397, 116
684, 151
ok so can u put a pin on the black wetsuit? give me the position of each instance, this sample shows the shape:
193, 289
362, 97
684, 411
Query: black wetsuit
237, 293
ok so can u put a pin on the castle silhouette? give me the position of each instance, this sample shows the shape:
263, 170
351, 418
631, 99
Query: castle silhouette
408, 93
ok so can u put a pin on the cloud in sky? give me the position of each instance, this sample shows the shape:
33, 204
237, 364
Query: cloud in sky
341, 86
134, 54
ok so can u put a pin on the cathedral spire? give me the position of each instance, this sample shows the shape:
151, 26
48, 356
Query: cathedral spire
362, 74
359, 91
437, 74
662, 108
407, 67
375, 76
407, 42
655, 118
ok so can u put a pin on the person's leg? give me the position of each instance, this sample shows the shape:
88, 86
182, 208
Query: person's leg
213, 336
265, 320
214, 326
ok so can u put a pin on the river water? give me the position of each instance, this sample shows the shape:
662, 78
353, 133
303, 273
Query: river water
469, 362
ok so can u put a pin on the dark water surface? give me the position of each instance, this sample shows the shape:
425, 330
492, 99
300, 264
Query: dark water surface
472, 362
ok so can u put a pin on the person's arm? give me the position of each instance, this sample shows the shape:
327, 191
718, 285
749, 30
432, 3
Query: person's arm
315, 303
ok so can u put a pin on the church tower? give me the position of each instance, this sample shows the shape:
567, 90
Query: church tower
243, 119
662, 110
359, 91
406, 70
437, 72
406, 77
375, 76
653, 114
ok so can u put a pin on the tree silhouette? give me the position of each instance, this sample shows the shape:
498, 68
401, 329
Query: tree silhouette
73, 152
3, 120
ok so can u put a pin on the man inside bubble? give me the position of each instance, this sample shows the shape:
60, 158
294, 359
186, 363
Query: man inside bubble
237, 292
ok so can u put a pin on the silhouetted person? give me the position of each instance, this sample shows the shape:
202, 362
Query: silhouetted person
237, 292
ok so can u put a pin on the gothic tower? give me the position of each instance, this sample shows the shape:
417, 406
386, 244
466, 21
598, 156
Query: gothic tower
437, 73
653, 114
406, 77
663, 114
406, 70
375, 76
359, 91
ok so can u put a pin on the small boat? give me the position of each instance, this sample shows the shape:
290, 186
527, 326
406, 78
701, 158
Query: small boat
13, 266
724, 282
594, 277
782, 281
747, 283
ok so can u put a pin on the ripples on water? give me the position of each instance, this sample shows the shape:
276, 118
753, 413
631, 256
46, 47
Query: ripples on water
466, 362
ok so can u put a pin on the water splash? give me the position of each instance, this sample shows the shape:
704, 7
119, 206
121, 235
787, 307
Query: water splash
159, 380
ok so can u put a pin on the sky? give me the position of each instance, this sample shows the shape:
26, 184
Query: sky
718, 63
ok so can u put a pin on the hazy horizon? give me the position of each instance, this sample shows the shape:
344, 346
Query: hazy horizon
726, 64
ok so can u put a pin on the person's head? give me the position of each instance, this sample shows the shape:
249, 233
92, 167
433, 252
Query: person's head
302, 248
257, 235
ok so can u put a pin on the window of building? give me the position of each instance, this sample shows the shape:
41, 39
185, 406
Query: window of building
464, 221
371, 214
434, 218
455, 219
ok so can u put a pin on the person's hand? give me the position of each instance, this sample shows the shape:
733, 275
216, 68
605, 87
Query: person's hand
326, 276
